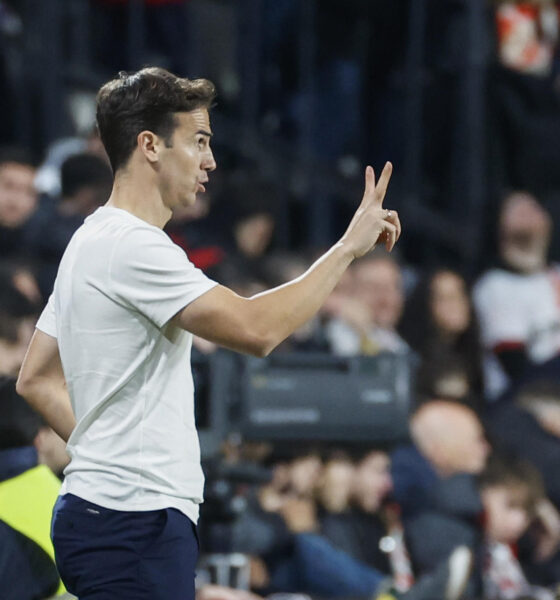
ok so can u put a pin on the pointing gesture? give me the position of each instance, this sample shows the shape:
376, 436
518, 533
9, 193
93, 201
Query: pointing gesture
371, 222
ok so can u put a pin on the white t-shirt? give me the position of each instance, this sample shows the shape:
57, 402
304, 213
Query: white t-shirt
135, 446
518, 310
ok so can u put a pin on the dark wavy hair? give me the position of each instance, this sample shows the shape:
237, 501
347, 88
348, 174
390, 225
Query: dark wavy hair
145, 100
419, 329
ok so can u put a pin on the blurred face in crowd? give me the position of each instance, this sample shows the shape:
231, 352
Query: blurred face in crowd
506, 512
451, 437
372, 481
254, 234
335, 485
18, 198
525, 230
304, 474
450, 306
379, 284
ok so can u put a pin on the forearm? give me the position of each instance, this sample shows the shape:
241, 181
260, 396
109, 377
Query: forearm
52, 401
258, 324
277, 313
41, 382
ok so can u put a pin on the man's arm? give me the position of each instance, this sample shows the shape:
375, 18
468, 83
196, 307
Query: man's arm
41, 382
258, 324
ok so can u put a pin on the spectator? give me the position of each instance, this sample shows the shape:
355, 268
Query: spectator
445, 377
368, 325
513, 496
358, 529
298, 559
28, 491
439, 323
434, 481
247, 223
335, 484
517, 302
86, 182
526, 424
18, 199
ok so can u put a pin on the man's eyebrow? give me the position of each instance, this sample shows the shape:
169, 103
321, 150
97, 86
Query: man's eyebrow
204, 132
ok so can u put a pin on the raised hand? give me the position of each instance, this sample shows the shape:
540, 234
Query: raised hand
371, 222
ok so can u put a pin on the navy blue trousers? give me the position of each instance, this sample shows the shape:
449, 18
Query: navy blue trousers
104, 554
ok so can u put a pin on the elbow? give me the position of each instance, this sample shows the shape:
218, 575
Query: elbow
23, 385
260, 346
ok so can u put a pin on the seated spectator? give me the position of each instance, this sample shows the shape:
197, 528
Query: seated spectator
367, 325
28, 491
86, 182
297, 558
18, 199
512, 493
446, 377
439, 323
247, 223
280, 531
517, 302
358, 529
434, 481
334, 487
526, 423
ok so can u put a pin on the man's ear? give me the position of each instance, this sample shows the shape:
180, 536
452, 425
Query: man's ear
150, 145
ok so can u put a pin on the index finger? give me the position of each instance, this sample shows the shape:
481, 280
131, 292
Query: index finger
381, 187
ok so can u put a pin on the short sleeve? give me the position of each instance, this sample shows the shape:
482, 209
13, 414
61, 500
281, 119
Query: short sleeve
47, 320
154, 276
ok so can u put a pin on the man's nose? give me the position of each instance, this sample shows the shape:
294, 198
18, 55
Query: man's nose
209, 164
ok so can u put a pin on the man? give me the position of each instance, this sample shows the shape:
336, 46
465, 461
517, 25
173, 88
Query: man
435, 480
367, 324
86, 183
18, 199
108, 364
517, 304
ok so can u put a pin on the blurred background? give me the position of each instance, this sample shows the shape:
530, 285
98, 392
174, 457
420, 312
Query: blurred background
420, 410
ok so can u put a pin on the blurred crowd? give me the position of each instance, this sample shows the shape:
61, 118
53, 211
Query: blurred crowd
471, 498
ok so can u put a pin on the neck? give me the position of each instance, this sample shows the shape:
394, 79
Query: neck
135, 191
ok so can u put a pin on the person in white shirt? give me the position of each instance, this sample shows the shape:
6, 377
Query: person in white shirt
108, 365
518, 303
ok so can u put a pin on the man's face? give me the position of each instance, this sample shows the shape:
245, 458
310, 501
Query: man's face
184, 166
18, 198
467, 449
525, 230
507, 517
379, 285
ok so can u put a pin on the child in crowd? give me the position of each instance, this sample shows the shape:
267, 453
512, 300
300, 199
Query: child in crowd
512, 494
